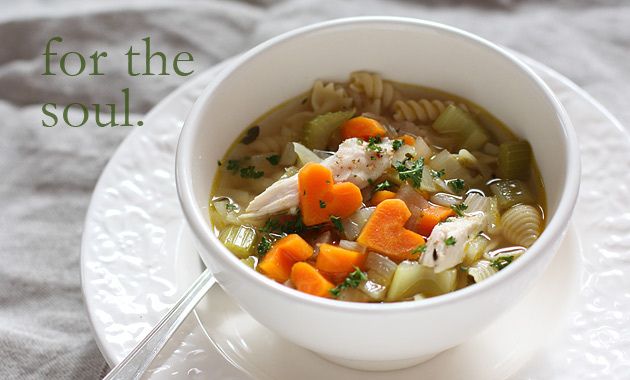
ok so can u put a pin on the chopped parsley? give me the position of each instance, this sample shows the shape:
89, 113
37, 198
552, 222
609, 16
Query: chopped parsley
372, 144
419, 249
264, 246
459, 209
396, 144
322, 204
251, 172
273, 159
501, 262
438, 173
410, 170
230, 207
383, 186
233, 166
336, 221
449, 241
352, 281
290, 225
457, 185
219, 162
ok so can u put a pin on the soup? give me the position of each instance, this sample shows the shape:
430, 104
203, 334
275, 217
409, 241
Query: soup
376, 191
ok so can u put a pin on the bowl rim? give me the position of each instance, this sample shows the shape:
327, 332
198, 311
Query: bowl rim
207, 238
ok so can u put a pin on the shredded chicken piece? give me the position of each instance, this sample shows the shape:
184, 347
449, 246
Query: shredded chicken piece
445, 246
354, 162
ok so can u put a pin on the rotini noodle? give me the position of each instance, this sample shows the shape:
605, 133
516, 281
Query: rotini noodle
481, 270
328, 97
422, 110
522, 225
374, 88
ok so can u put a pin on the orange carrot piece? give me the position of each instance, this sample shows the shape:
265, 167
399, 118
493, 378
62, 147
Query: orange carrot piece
408, 140
380, 196
283, 254
336, 260
362, 127
308, 280
430, 217
385, 233
320, 198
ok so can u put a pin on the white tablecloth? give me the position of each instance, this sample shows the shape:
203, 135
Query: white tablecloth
47, 174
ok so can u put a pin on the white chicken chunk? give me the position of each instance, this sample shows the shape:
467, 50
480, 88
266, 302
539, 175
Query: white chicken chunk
354, 162
445, 246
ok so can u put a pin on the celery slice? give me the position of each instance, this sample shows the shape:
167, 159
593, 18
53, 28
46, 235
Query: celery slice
510, 192
317, 131
515, 160
412, 278
463, 126
241, 240
251, 261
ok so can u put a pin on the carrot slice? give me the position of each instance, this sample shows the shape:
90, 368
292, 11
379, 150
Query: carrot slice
385, 233
381, 195
339, 261
308, 280
362, 127
408, 140
320, 198
430, 217
283, 254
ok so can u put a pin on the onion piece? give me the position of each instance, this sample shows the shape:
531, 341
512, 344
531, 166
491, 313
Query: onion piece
446, 200
380, 269
353, 225
352, 246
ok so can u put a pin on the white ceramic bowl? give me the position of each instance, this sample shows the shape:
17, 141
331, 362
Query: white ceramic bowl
377, 336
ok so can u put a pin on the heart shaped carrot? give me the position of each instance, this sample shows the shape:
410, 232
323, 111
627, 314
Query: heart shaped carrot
320, 198
385, 232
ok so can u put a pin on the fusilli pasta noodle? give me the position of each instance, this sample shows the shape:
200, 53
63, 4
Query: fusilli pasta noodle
327, 98
422, 110
522, 225
481, 270
380, 94
276, 143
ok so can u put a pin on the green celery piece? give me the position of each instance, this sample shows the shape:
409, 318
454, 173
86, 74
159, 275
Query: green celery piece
515, 159
412, 278
317, 131
463, 126
510, 192
241, 240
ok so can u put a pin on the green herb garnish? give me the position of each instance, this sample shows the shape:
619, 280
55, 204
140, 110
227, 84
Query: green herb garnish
410, 170
457, 185
459, 209
230, 207
450, 241
233, 166
396, 144
383, 186
501, 262
336, 221
322, 204
264, 246
251, 172
352, 281
419, 249
372, 144
273, 159
219, 162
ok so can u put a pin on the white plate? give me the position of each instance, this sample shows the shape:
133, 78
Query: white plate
137, 259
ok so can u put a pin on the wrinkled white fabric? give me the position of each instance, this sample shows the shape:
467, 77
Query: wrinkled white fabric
47, 174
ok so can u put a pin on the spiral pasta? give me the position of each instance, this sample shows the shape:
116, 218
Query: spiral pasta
522, 225
422, 110
380, 93
481, 270
327, 98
